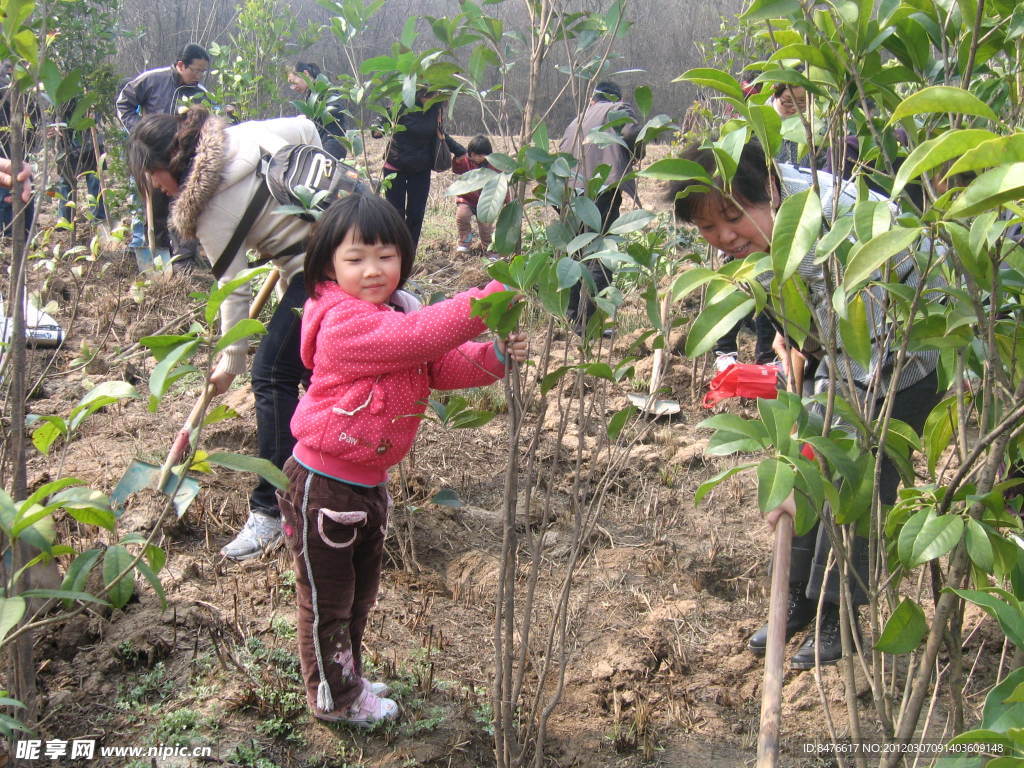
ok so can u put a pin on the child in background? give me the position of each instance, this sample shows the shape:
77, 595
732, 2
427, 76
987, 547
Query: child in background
466, 160
375, 356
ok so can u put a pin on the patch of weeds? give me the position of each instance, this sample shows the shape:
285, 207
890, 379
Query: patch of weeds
179, 727
288, 581
279, 729
483, 709
276, 688
251, 756
347, 756
150, 687
130, 656
433, 717
282, 628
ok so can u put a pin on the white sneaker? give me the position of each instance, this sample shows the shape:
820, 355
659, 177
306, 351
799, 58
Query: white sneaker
260, 533
462, 249
724, 362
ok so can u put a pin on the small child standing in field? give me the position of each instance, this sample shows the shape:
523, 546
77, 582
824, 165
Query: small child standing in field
466, 160
375, 356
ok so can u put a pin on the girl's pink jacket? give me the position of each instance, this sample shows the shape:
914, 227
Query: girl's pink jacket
373, 369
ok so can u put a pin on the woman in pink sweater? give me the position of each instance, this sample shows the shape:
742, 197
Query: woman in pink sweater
375, 355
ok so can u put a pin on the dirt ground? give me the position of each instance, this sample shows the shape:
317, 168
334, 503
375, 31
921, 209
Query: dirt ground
664, 599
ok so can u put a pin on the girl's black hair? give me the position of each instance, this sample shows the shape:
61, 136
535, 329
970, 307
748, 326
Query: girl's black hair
749, 185
161, 141
480, 145
375, 220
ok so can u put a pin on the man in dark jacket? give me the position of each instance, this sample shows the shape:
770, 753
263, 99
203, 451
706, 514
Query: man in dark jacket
160, 91
321, 106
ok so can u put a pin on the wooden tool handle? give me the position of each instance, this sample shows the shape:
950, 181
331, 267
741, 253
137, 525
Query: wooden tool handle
778, 610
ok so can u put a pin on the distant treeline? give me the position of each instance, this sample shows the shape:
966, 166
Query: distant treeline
661, 44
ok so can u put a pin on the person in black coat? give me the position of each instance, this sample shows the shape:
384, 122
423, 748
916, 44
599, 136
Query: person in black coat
410, 157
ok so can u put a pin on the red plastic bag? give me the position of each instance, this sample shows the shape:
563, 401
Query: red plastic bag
751, 381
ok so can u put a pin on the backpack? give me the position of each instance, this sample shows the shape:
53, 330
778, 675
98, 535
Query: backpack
283, 172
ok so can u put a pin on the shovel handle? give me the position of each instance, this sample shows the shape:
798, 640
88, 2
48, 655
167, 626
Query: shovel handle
264, 293
778, 608
184, 435
181, 441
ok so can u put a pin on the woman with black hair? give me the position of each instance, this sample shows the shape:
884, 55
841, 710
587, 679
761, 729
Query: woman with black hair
210, 170
740, 223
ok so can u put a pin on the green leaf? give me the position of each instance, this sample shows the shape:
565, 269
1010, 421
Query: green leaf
990, 190
677, 169
618, 421
938, 430
834, 455
715, 321
770, 9
115, 560
241, 463
942, 99
865, 260
224, 290
1009, 616
243, 329
11, 611
644, 100
731, 422
937, 537
161, 377
569, 272
691, 280
797, 226
715, 79
775, 479
632, 221
979, 547
78, 572
219, 413
46, 434
492, 198
551, 380
855, 333
580, 241
508, 228
908, 535
154, 582
1005, 149
709, 485
587, 212
904, 630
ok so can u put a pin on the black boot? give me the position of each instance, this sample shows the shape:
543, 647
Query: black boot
801, 611
831, 644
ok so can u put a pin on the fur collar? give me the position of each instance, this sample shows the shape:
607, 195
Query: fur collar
203, 181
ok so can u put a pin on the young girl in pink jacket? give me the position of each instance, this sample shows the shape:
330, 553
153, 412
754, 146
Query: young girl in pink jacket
375, 355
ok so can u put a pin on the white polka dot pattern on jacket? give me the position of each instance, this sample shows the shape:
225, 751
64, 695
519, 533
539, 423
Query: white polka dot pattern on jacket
373, 369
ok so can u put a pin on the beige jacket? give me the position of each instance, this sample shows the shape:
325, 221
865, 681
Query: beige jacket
213, 200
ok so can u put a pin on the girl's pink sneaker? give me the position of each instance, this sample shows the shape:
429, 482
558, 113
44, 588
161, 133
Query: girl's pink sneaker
366, 712
377, 689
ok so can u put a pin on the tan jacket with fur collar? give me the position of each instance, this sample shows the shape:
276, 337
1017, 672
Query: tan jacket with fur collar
214, 197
